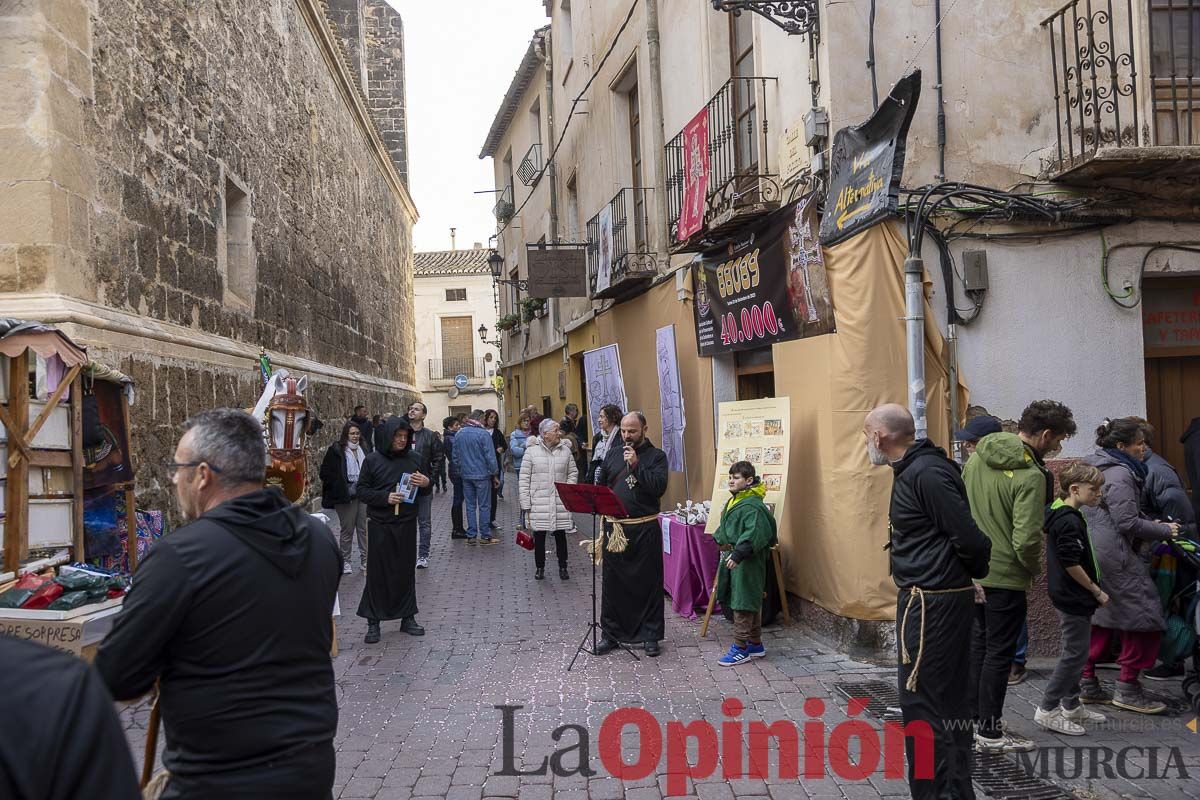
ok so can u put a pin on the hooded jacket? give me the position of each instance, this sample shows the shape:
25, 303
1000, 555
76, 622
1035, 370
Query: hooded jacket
934, 541
1068, 545
1118, 528
749, 529
232, 612
517, 442
383, 469
1191, 461
1007, 489
1164, 494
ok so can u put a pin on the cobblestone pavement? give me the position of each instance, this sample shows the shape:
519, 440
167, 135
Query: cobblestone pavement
419, 717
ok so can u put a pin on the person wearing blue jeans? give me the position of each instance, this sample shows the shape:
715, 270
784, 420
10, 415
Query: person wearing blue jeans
475, 458
1017, 672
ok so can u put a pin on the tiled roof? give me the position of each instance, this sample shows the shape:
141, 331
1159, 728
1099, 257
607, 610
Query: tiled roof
451, 262
516, 90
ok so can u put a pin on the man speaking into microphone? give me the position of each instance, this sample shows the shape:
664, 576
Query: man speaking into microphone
631, 609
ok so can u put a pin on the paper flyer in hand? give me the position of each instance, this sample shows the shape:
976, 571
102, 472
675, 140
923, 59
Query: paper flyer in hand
407, 488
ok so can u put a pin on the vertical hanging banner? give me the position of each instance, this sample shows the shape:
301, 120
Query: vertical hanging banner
604, 269
867, 163
670, 403
768, 285
757, 431
602, 375
695, 176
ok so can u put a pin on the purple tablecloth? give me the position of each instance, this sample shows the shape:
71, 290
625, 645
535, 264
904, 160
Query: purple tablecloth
689, 569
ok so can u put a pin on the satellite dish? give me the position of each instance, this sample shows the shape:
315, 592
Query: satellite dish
452, 393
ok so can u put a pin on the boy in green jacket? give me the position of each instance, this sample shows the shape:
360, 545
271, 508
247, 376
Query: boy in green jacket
749, 529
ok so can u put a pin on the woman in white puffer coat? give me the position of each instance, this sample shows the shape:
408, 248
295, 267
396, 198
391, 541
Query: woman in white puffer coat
548, 460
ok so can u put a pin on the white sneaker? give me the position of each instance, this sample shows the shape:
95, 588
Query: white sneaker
1082, 713
422, 563
1056, 722
346, 568
1005, 743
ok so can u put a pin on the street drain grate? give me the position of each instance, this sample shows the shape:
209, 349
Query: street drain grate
995, 775
883, 702
1000, 777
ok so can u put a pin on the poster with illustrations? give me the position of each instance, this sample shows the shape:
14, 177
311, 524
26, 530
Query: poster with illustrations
756, 431
602, 376
670, 404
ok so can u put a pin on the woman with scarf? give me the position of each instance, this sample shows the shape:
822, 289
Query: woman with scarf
1120, 532
491, 421
610, 424
747, 532
340, 470
391, 590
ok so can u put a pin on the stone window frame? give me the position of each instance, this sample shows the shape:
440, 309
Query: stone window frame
237, 260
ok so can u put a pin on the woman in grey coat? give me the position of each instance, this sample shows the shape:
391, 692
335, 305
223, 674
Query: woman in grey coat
1119, 531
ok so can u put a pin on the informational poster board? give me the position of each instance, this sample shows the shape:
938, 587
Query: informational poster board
602, 375
670, 403
758, 431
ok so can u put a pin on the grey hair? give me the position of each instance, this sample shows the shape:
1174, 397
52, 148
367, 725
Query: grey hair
231, 441
477, 415
546, 424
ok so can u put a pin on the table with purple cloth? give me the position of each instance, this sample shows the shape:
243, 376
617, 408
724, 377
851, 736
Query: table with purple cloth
690, 566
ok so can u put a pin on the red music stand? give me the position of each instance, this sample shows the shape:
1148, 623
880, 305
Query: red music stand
585, 498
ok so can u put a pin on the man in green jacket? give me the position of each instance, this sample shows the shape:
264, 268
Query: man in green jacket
747, 530
1009, 487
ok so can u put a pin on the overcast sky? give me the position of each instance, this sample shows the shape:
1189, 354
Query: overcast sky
460, 58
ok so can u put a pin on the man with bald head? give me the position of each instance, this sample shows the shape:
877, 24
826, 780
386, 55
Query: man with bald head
631, 609
936, 551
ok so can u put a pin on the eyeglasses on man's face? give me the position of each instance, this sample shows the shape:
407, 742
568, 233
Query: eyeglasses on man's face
173, 467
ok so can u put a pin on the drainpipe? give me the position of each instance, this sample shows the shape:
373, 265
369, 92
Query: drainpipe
551, 168
914, 322
941, 105
658, 128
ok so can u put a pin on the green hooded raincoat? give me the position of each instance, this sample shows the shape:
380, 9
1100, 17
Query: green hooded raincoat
745, 518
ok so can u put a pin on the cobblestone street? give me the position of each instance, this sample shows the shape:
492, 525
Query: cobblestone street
418, 716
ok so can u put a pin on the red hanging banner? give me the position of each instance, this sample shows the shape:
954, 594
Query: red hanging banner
695, 176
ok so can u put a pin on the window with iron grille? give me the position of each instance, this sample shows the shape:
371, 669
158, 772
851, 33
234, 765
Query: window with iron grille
1175, 70
458, 346
453, 295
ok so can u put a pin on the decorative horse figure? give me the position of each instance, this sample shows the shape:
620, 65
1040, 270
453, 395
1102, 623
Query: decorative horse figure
283, 411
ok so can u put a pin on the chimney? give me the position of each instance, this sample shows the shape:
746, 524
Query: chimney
477, 246
452, 245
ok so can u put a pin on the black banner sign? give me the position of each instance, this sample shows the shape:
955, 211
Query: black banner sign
766, 285
557, 271
867, 163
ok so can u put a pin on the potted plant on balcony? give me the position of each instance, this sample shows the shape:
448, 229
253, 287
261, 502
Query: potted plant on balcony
532, 308
504, 212
508, 322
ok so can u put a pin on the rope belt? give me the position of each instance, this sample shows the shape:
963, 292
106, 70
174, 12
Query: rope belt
914, 593
617, 540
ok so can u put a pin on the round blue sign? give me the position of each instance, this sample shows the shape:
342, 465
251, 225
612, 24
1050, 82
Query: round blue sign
460, 381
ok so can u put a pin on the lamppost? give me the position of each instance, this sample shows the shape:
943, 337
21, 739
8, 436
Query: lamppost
496, 265
797, 17
483, 332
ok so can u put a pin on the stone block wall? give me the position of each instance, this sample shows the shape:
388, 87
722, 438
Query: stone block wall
128, 126
385, 79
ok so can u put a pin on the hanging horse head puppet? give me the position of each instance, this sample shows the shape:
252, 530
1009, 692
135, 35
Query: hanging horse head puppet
287, 422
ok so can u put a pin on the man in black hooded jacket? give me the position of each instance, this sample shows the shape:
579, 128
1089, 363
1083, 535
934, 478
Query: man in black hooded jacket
1191, 461
231, 613
936, 550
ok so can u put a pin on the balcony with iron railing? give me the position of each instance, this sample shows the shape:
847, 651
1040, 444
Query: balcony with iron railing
530, 169
1126, 79
619, 259
445, 370
741, 181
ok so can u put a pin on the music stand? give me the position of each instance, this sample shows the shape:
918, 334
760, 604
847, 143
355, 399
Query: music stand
584, 498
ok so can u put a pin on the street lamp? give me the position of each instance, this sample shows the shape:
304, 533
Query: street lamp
797, 17
483, 332
496, 265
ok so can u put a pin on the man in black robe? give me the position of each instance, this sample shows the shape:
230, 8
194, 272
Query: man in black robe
391, 590
631, 609
231, 613
936, 550
61, 737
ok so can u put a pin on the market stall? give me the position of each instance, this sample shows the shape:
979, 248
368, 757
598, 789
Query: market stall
63, 441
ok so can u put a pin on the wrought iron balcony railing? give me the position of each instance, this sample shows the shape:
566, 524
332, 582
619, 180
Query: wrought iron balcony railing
447, 369
530, 168
619, 259
1097, 50
504, 207
741, 180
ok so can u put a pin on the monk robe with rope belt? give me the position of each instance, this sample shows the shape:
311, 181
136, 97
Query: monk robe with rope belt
936, 551
631, 609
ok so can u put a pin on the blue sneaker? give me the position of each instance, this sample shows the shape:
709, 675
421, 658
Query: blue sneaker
756, 650
735, 656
